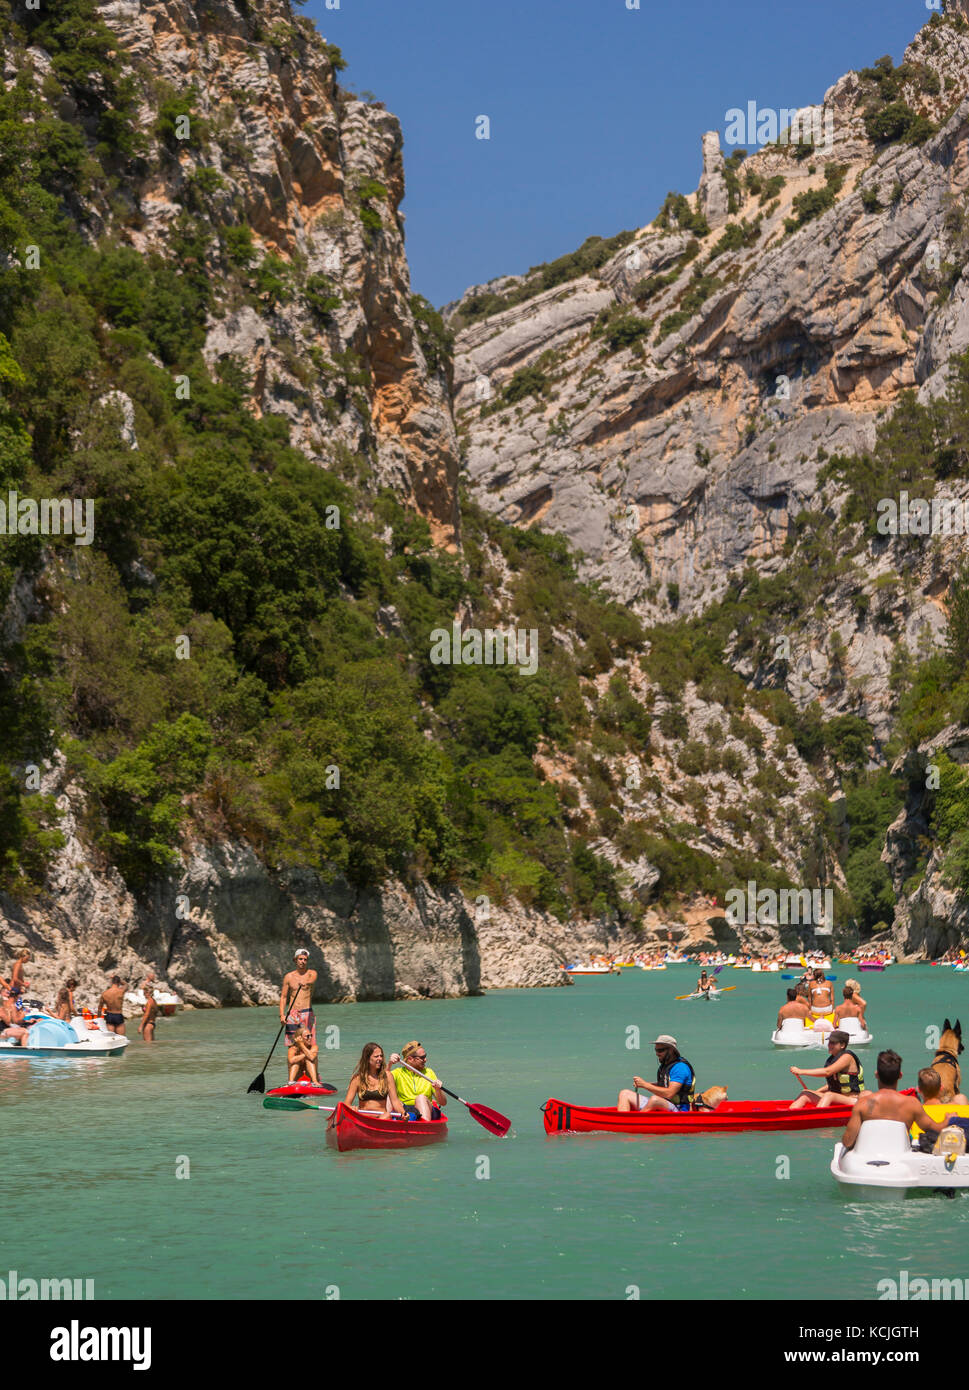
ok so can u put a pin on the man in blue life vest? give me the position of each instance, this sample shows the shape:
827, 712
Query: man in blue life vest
675, 1082
844, 1076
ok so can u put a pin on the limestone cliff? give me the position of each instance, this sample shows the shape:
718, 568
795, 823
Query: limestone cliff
273, 145
686, 394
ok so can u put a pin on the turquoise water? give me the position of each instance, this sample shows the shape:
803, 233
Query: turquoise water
91, 1152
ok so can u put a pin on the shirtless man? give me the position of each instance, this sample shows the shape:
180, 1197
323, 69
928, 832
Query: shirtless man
302, 1055
820, 995
296, 998
111, 1004
796, 1007
147, 1025
887, 1104
843, 1074
17, 974
850, 1008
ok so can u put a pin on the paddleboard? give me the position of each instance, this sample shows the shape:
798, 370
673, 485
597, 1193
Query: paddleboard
301, 1089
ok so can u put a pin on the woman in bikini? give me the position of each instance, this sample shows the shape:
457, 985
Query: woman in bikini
372, 1084
302, 1055
821, 995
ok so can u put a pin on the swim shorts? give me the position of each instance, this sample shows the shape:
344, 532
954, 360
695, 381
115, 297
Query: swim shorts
115, 1020
306, 1018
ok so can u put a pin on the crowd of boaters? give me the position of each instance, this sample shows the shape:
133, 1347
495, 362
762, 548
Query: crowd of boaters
15, 1022
843, 1076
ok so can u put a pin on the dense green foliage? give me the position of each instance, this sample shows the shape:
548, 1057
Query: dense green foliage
677, 214
888, 117
214, 664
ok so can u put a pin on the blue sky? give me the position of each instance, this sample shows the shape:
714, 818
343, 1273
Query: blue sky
596, 110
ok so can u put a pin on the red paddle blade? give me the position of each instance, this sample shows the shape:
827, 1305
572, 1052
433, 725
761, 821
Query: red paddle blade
497, 1124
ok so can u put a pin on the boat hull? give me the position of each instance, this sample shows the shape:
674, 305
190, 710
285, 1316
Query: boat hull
903, 1175
349, 1129
91, 1039
730, 1117
302, 1088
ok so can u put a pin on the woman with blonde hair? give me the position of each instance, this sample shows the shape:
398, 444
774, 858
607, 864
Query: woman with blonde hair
855, 987
372, 1085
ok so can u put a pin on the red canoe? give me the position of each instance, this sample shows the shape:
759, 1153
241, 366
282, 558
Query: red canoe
367, 1129
732, 1115
303, 1088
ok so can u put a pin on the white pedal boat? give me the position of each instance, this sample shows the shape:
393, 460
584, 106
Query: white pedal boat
793, 1033
884, 1160
136, 999
53, 1037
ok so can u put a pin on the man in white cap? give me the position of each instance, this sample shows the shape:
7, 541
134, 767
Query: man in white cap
296, 999
675, 1082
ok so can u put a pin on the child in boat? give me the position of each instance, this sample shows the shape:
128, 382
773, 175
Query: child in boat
372, 1086
930, 1084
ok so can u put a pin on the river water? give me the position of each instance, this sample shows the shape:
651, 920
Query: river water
92, 1151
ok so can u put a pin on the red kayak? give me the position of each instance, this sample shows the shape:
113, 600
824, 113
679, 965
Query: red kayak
732, 1115
303, 1088
366, 1129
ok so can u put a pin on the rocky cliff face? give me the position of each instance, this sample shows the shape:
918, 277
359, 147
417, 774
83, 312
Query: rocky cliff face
272, 144
669, 410
684, 396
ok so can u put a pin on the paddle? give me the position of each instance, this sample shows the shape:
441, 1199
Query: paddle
291, 1103
725, 990
260, 1082
489, 1119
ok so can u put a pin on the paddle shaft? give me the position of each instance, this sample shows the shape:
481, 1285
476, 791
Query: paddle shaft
293, 1103
452, 1094
482, 1114
255, 1085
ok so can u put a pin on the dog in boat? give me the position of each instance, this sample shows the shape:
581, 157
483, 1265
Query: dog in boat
946, 1060
711, 1098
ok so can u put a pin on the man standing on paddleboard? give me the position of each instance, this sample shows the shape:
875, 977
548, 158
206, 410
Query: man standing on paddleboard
296, 999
